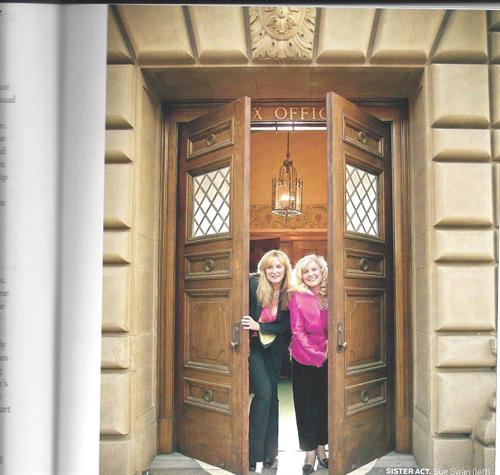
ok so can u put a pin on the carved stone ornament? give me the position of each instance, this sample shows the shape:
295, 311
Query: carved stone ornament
282, 33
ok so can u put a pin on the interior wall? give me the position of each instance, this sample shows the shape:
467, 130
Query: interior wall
308, 153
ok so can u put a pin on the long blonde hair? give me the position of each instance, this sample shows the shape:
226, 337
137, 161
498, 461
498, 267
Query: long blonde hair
300, 285
265, 289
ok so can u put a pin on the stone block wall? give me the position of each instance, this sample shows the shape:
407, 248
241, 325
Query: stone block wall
131, 216
454, 142
454, 240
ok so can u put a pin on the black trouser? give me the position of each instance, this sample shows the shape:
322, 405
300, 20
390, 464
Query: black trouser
310, 397
264, 365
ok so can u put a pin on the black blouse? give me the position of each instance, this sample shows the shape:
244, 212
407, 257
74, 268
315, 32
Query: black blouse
282, 323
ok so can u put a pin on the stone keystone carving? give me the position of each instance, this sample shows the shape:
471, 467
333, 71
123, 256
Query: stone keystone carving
282, 33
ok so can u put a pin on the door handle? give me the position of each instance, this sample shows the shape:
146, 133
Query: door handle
235, 343
341, 343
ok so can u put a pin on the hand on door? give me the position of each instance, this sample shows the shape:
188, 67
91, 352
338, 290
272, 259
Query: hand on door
249, 323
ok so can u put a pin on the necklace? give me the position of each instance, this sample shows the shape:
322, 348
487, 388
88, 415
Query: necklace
276, 294
324, 305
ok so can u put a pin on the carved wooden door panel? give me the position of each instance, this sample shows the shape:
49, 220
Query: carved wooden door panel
211, 382
361, 349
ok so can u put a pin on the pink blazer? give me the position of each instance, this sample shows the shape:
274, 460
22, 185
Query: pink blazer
309, 327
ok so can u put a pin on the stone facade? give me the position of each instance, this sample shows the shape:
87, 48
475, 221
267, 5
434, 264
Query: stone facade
132, 178
454, 142
454, 232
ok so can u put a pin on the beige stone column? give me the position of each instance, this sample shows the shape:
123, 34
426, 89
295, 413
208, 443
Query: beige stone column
454, 241
131, 239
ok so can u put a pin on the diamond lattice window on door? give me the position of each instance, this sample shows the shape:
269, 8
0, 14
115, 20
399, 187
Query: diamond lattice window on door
361, 201
211, 195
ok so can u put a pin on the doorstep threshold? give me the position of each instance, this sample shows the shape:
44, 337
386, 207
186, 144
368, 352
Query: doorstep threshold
179, 464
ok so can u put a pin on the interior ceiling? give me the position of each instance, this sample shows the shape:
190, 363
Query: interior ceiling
290, 82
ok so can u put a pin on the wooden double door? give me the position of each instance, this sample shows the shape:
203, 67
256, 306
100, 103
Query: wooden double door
211, 367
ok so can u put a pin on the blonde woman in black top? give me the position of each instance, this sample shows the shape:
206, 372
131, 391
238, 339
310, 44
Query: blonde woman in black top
268, 322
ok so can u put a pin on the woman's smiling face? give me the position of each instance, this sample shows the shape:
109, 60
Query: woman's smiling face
275, 272
311, 274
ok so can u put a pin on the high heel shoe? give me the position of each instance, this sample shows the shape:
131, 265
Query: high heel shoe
307, 469
269, 462
322, 462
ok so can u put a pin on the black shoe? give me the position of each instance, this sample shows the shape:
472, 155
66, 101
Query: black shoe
323, 462
307, 469
252, 467
269, 462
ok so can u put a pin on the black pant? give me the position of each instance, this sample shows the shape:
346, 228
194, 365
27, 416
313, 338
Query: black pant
310, 398
264, 365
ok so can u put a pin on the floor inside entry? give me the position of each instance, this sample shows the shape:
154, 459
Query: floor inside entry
291, 458
298, 236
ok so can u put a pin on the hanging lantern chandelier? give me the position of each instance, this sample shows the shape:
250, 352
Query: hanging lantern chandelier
287, 188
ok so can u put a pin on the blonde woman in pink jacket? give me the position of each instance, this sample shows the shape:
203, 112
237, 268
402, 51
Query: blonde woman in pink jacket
309, 351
